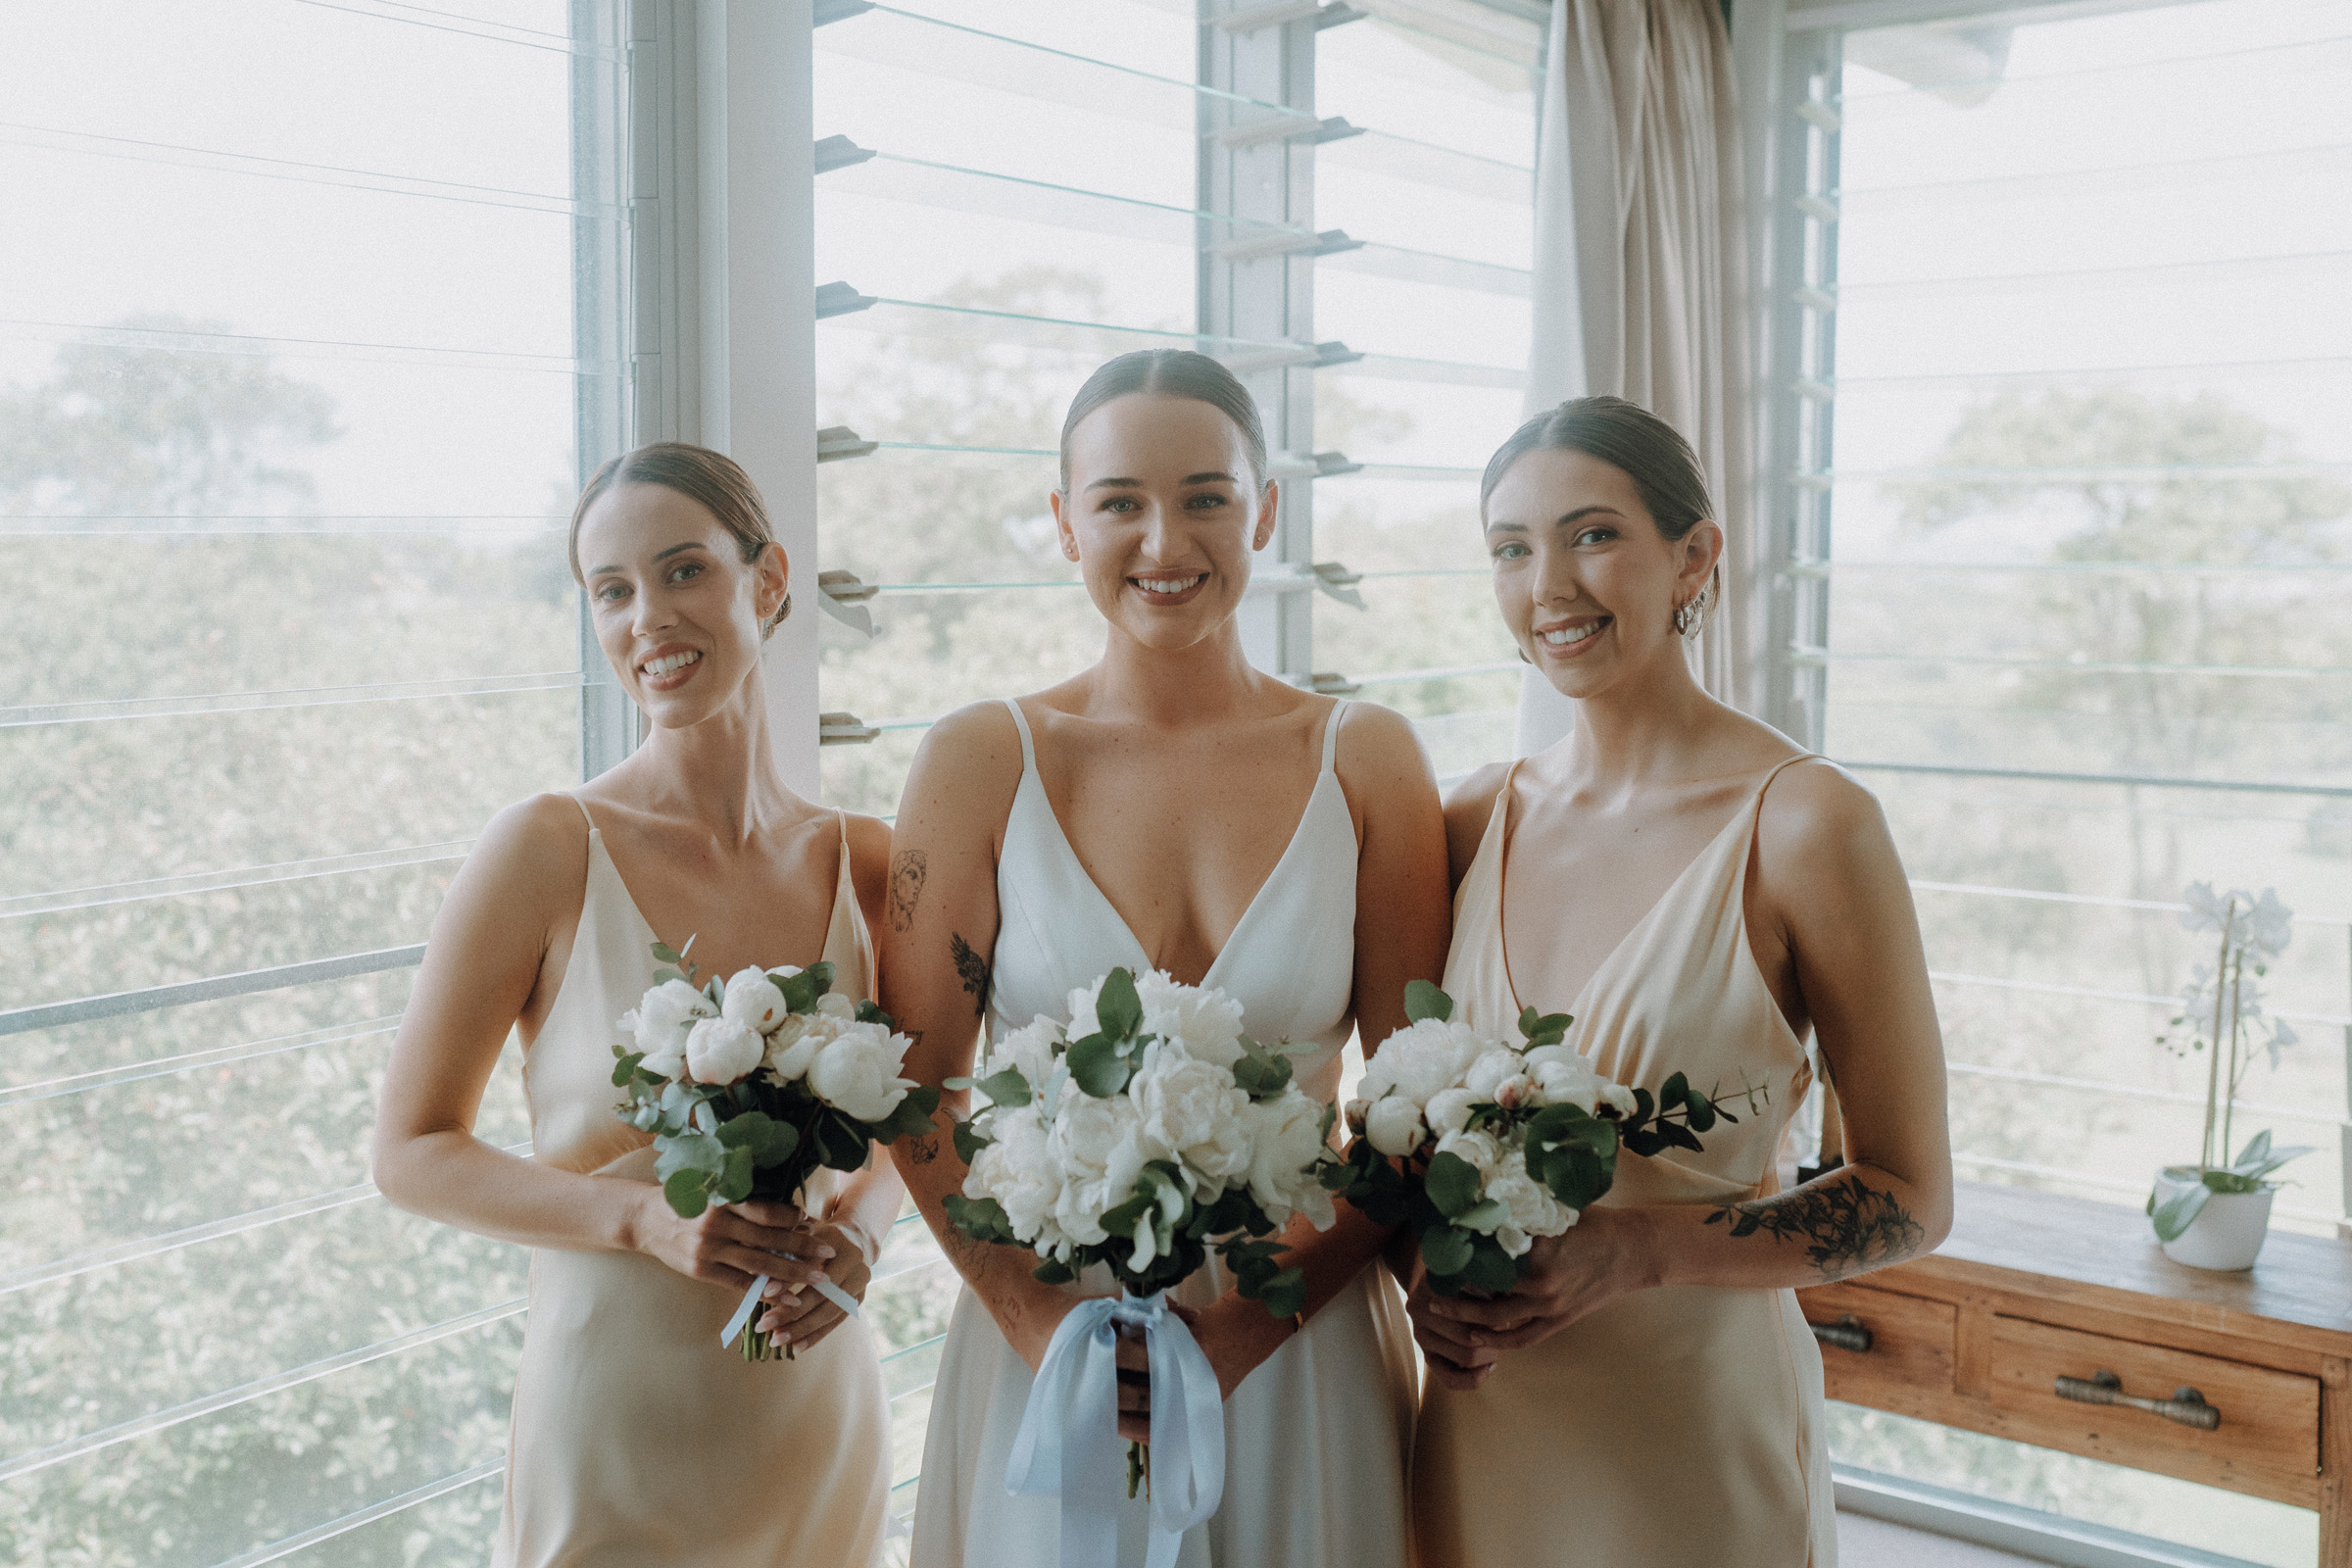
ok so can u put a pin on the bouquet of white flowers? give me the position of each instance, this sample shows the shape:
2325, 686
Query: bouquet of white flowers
1140, 1135
749, 1086
1480, 1146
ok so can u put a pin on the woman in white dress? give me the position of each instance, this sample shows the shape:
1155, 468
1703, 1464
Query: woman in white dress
638, 1438
1170, 808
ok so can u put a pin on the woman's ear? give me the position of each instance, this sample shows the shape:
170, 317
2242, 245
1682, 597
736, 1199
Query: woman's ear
771, 570
1268, 509
1701, 551
1061, 525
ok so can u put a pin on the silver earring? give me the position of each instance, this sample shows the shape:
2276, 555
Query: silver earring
1689, 615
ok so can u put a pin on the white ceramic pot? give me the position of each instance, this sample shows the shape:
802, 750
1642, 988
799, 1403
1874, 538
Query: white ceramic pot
2228, 1232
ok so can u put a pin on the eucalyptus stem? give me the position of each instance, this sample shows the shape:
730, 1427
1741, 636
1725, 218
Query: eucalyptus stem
2213, 1067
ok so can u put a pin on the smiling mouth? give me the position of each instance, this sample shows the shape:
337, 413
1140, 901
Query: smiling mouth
1170, 587
668, 663
1568, 638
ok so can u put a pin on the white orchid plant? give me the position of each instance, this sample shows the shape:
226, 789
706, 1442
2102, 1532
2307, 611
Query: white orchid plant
750, 1086
2221, 1014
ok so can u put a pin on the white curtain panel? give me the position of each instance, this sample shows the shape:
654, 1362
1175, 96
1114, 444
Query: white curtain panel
1640, 277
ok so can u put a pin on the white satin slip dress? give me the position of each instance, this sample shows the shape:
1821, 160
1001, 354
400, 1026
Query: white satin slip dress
1316, 1437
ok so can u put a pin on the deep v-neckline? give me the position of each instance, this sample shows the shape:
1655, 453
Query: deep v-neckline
1290, 851
1502, 888
832, 910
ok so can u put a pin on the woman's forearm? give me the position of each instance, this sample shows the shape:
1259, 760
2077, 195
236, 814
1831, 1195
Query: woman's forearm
867, 1204
1026, 1310
1849, 1221
454, 1177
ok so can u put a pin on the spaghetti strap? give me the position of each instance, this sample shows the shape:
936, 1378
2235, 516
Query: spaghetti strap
1331, 732
1784, 764
1028, 747
583, 805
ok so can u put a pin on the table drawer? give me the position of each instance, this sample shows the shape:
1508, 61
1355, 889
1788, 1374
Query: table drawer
1910, 1340
2265, 1437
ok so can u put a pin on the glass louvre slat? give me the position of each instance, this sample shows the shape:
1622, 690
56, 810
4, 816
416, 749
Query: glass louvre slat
1428, 267
210, 704
922, 182
161, 340
280, 1551
220, 881
2075, 666
89, 526
47, 138
189, 1061
445, 20
1423, 163
958, 52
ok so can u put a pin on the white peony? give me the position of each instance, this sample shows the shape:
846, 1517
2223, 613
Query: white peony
1099, 1147
1481, 1149
1287, 1141
1081, 1005
1393, 1125
833, 1004
1449, 1110
1191, 1109
719, 1051
661, 1022
1484, 1076
856, 1072
1021, 1172
1565, 1078
1028, 1051
752, 1000
1421, 1058
1206, 1020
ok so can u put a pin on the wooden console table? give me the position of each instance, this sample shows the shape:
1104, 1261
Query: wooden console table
2241, 1381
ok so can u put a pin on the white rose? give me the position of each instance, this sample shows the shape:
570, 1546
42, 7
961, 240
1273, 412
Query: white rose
1194, 1110
1449, 1110
1288, 1140
752, 1000
1532, 1210
1393, 1125
1099, 1147
856, 1072
1206, 1020
796, 1043
833, 1004
662, 1019
720, 1051
1021, 1171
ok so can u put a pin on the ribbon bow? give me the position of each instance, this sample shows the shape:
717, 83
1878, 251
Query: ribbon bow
1068, 1440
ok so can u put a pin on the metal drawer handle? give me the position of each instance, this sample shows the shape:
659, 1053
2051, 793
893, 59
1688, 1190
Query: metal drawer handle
2186, 1406
1847, 1333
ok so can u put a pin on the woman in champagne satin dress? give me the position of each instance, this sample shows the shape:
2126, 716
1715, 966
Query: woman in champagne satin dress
1700, 894
638, 1438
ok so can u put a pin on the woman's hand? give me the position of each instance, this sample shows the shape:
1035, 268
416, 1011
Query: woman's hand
732, 1244
1603, 1256
799, 1316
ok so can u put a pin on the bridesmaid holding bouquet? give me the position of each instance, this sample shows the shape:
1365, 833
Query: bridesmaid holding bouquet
1699, 893
638, 1438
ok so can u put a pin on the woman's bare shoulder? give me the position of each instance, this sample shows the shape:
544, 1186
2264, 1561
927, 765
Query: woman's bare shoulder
968, 764
530, 860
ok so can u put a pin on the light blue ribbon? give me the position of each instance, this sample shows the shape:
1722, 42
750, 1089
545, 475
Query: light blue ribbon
1069, 1437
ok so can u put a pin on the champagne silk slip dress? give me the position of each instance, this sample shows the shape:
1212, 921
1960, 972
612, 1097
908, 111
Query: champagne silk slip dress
1316, 1436
1679, 1427
638, 1438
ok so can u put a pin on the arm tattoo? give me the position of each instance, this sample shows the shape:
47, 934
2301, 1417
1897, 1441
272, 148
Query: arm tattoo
922, 1151
1848, 1226
907, 874
972, 970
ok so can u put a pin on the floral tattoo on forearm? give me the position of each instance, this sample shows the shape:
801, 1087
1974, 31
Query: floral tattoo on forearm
972, 970
1848, 1226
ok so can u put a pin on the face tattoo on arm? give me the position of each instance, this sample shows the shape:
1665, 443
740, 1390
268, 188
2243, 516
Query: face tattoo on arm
907, 874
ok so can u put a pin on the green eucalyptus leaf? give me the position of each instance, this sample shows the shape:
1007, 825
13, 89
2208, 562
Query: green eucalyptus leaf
688, 1192
1117, 1009
1052, 1271
626, 1068
1451, 1183
767, 1141
1484, 1215
1425, 1000
1096, 1065
1008, 1088
663, 954
1285, 1294
841, 1144
1491, 1268
869, 1013
968, 1141
1261, 1072
696, 1152
1446, 1250
662, 977
982, 1219
735, 1179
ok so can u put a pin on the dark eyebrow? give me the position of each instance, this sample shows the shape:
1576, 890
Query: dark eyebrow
691, 543
1138, 484
1586, 512
1130, 484
1207, 478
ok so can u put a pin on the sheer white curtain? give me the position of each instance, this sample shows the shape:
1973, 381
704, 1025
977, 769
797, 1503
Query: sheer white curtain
1641, 272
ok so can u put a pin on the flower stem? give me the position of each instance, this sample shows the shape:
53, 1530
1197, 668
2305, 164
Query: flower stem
1139, 1469
2213, 1067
